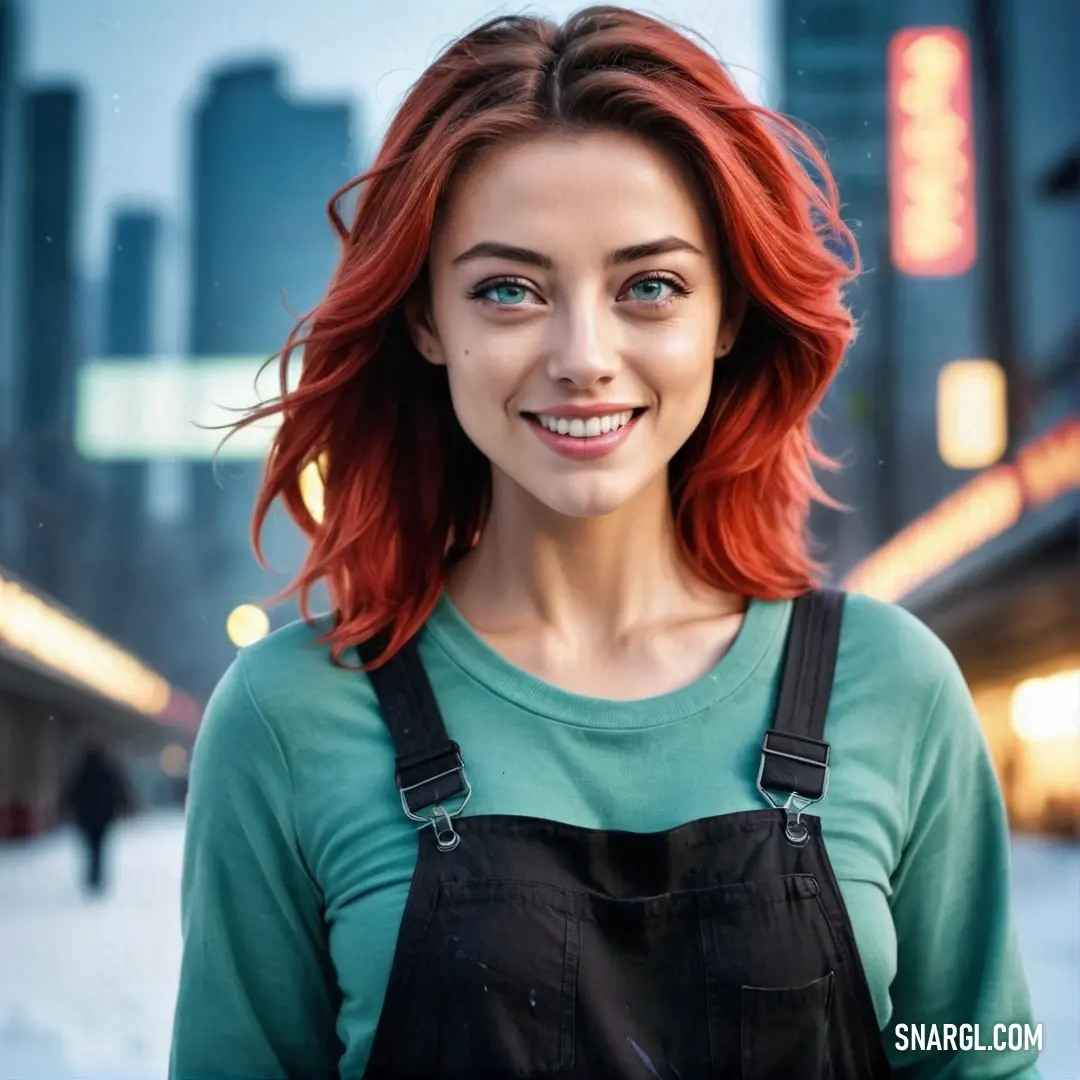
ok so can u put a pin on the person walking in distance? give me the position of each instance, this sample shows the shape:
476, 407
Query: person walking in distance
96, 795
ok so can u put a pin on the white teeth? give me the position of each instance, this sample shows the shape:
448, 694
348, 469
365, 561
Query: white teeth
579, 428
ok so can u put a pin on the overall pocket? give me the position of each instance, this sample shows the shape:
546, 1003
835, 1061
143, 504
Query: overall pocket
784, 1030
499, 963
770, 954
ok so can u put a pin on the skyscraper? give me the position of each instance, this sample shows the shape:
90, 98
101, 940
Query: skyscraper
10, 155
129, 290
47, 350
128, 334
834, 84
265, 167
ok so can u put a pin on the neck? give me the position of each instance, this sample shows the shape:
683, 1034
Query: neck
588, 580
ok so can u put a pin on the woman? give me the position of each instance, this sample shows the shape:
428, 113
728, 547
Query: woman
561, 386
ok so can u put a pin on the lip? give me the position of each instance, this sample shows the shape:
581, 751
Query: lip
587, 449
583, 411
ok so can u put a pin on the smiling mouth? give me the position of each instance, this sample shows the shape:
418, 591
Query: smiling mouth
582, 427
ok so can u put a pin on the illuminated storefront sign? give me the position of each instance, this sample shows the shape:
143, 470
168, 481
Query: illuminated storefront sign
147, 409
972, 421
931, 158
32, 626
977, 512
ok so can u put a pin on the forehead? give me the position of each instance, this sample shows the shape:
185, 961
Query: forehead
556, 190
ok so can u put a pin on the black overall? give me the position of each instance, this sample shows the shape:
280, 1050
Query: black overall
720, 948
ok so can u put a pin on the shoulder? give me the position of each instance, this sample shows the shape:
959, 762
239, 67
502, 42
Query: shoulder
892, 647
295, 649
893, 666
285, 693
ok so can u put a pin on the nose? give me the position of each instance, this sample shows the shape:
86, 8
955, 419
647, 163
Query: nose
582, 353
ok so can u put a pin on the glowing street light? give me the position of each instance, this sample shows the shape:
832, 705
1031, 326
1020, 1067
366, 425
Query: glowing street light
173, 760
246, 624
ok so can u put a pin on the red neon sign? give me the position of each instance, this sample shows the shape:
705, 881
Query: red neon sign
931, 156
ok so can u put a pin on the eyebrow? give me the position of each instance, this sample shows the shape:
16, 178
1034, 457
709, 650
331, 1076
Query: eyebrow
492, 249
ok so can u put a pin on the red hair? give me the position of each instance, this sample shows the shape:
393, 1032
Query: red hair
406, 493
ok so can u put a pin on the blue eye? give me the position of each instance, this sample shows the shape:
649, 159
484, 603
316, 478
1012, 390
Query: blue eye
652, 290
509, 293
502, 293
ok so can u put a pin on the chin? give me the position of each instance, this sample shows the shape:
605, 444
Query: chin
591, 500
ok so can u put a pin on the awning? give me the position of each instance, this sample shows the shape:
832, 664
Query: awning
994, 568
49, 655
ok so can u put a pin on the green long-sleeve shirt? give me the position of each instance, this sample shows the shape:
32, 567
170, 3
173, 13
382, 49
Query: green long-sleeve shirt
298, 857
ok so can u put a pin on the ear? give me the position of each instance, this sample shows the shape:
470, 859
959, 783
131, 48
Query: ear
422, 328
734, 301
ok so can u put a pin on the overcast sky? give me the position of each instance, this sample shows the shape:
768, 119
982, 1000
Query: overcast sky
142, 63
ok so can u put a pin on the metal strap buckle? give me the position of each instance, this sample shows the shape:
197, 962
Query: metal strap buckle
438, 816
794, 827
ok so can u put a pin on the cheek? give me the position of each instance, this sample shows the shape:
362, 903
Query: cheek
681, 363
487, 364
473, 349
482, 380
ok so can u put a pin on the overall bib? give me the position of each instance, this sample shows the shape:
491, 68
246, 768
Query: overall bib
721, 948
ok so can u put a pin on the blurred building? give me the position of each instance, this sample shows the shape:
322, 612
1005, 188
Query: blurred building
833, 70
47, 356
11, 146
265, 167
264, 170
121, 609
952, 137
130, 287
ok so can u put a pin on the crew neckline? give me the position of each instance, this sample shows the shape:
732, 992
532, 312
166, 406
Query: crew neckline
762, 624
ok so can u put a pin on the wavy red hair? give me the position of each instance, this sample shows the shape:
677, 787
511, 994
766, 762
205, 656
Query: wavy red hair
406, 493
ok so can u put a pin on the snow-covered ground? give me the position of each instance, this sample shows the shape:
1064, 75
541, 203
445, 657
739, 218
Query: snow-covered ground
86, 986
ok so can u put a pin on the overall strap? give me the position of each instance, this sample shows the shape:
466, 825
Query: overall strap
794, 755
428, 767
